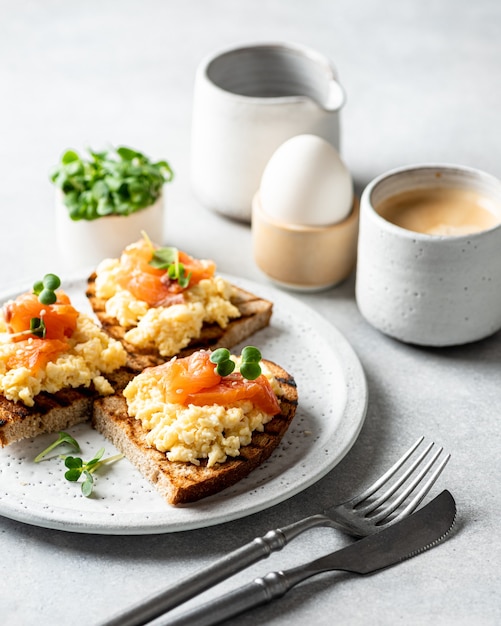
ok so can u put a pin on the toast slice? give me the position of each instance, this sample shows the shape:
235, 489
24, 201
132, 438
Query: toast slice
181, 483
49, 382
50, 413
255, 314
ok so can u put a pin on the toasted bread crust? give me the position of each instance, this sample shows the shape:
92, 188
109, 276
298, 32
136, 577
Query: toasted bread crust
255, 315
181, 483
50, 413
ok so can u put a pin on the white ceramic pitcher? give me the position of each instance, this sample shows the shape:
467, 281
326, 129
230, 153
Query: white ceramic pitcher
247, 102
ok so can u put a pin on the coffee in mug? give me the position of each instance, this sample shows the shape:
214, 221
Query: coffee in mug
429, 262
441, 211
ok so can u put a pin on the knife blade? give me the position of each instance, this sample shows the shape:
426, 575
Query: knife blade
420, 531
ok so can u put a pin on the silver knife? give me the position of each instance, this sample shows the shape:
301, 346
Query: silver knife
415, 534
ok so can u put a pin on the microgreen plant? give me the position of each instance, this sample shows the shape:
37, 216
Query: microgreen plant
76, 467
168, 259
45, 289
224, 364
118, 181
37, 327
249, 367
249, 364
62, 438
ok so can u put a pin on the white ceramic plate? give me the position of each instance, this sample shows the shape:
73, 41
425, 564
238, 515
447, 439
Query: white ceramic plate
332, 407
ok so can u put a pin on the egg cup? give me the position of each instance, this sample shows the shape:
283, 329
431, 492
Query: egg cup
304, 258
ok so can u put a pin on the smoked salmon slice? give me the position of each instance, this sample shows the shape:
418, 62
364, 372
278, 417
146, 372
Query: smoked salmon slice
29, 350
235, 388
34, 353
194, 380
153, 285
60, 318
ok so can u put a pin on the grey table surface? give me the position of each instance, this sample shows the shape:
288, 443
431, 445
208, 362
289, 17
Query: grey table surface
423, 84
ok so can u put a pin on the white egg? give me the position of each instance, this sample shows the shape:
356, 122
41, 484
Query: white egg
306, 183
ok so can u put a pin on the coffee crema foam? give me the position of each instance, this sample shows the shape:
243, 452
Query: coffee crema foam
441, 211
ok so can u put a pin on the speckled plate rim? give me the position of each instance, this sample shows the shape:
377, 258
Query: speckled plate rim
333, 398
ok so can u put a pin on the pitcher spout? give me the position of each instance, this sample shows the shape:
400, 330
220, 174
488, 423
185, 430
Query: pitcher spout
335, 97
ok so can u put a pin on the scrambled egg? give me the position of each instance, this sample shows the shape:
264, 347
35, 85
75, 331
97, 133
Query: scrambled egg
166, 329
92, 353
190, 433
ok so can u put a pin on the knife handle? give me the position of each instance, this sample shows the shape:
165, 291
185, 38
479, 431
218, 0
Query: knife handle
156, 604
259, 591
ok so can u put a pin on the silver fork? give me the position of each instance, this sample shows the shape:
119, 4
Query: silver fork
363, 515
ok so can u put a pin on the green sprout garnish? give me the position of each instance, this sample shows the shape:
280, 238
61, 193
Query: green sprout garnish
249, 365
63, 438
168, 259
225, 365
45, 289
77, 468
37, 327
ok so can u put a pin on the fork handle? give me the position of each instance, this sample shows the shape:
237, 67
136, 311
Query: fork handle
233, 562
237, 560
259, 591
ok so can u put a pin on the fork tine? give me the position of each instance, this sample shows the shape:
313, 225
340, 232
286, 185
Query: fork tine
386, 476
412, 486
401, 480
416, 501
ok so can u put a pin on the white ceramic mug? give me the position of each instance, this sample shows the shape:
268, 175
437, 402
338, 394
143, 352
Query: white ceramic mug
247, 102
429, 289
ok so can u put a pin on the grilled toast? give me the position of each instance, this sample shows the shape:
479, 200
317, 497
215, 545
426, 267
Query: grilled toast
40, 393
255, 314
181, 483
50, 413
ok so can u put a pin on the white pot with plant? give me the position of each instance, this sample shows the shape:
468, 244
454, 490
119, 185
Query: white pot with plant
104, 201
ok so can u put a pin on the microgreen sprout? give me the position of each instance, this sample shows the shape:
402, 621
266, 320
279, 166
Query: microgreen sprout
62, 438
77, 468
37, 327
45, 289
249, 367
168, 259
224, 364
249, 364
